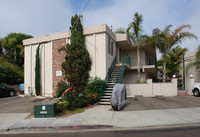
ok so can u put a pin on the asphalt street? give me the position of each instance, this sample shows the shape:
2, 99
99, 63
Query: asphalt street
167, 132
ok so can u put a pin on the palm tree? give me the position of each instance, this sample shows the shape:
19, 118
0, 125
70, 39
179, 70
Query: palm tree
166, 39
173, 60
120, 31
196, 62
134, 31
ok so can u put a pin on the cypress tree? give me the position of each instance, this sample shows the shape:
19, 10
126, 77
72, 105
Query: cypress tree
77, 62
37, 71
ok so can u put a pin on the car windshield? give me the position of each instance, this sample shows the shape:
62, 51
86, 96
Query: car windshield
2, 86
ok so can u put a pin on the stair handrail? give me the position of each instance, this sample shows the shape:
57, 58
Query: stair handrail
110, 70
125, 61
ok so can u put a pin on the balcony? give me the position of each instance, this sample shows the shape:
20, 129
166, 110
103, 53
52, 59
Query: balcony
144, 62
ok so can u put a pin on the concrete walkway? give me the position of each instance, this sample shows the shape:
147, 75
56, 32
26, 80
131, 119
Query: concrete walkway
104, 116
8, 119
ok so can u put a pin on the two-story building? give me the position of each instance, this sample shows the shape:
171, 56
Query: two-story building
103, 46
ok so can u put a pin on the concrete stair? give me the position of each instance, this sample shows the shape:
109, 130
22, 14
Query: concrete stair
105, 100
182, 93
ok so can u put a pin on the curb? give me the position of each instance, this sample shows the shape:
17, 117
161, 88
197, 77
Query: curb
68, 127
4, 130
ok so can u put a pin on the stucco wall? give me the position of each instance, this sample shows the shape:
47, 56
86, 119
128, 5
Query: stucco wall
96, 46
46, 68
165, 89
130, 76
109, 57
192, 71
27, 67
150, 89
142, 89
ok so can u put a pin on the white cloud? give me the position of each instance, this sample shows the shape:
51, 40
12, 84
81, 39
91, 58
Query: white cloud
42, 17
38, 17
156, 13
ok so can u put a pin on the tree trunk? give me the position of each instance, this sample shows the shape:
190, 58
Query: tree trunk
138, 63
164, 68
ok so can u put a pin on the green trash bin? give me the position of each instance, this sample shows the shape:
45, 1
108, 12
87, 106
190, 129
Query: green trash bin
45, 110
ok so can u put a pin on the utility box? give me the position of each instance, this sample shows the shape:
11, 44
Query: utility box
45, 110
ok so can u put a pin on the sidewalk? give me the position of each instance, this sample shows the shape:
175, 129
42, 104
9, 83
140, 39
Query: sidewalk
105, 117
8, 119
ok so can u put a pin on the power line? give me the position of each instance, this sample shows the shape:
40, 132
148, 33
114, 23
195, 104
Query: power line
84, 7
81, 12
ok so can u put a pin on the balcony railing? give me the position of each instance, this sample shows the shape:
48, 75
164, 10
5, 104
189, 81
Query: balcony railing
148, 60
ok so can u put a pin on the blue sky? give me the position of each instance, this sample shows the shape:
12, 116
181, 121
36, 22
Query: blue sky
43, 17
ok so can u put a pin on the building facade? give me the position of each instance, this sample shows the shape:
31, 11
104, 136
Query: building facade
103, 46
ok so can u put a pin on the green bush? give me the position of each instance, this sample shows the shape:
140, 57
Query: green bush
61, 87
83, 100
61, 106
73, 98
10, 73
92, 89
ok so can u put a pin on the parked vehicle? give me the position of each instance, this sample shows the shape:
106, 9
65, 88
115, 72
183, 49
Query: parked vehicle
6, 91
196, 90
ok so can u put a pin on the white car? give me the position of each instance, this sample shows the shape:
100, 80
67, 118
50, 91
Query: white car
196, 90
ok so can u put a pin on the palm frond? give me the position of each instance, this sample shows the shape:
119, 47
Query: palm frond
136, 27
156, 31
167, 29
180, 28
182, 36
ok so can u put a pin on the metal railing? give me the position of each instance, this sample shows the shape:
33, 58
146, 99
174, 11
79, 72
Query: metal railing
148, 60
110, 70
122, 68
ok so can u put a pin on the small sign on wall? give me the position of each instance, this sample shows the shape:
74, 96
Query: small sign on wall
58, 73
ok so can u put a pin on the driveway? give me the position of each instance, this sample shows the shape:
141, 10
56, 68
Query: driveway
154, 103
18, 104
14, 109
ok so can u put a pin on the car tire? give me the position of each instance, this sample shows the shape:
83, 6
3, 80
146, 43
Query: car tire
12, 93
196, 92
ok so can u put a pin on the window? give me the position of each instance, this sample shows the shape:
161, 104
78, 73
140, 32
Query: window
110, 46
120, 55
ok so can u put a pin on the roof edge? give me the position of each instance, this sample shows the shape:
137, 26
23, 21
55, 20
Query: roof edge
60, 35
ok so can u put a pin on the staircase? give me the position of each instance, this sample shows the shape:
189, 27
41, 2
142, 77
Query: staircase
113, 76
105, 100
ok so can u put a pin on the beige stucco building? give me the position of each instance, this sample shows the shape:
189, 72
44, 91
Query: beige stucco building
193, 72
103, 46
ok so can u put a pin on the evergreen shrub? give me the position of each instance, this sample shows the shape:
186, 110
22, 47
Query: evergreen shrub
61, 87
